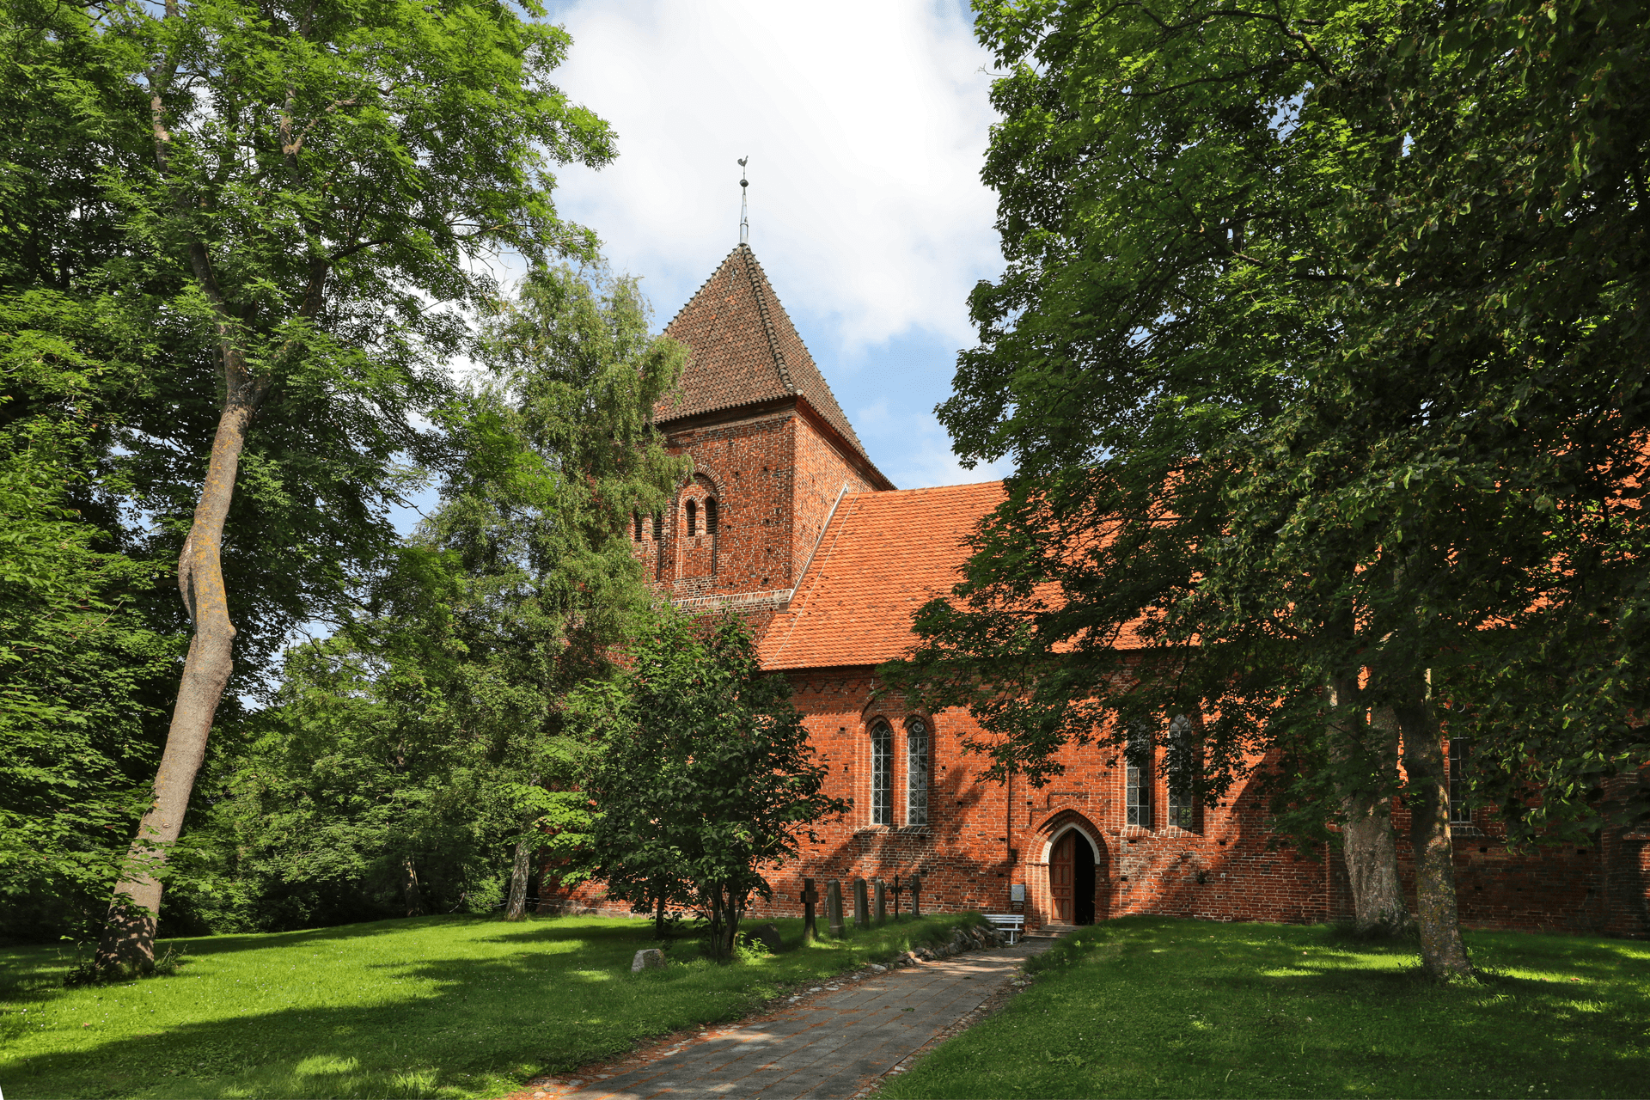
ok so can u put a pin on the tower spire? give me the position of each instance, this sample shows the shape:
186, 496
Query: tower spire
744, 210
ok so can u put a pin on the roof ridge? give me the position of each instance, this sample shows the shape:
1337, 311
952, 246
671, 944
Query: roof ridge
752, 269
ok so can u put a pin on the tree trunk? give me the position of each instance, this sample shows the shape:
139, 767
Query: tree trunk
1371, 848
659, 917
409, 888
1442, 952
128, 940
1367, 803
519, 873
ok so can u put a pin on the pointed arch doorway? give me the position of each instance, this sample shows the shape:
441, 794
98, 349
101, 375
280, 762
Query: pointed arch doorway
1071, 864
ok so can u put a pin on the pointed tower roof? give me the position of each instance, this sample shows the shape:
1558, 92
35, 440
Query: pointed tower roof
746, 351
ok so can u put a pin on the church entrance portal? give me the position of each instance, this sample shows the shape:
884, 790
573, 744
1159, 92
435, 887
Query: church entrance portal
1071, 878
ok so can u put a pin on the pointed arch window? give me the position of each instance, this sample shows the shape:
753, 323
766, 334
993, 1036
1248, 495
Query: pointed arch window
710, 515
692, 518
916, 772
1183, 774
1460, 752
882, 774
1138, 774
658, 526
637, 517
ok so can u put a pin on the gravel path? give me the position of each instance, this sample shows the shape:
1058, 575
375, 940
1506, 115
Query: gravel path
837, 1041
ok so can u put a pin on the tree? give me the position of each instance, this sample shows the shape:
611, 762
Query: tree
317, 175
1272, 426
703, 776
429, 731
78, 660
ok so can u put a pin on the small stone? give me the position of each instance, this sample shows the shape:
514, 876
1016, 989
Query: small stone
649, 958
816, 989
878, 968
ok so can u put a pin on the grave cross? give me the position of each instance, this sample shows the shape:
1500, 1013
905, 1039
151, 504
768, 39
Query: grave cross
810, 898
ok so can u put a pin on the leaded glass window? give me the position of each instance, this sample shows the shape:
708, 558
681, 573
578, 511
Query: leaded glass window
882, 775
1459, 753
916, 772
1138, 775
1182, 774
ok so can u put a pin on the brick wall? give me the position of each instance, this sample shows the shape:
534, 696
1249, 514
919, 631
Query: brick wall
982, 839
774, 478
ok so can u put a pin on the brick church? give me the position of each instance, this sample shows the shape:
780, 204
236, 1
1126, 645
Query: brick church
788, 521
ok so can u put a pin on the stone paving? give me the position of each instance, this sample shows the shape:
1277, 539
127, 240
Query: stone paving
835, 1041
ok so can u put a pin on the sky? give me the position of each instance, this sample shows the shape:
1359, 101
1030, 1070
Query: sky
865, 125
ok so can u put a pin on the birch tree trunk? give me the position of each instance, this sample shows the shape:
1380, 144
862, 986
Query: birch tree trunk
520, 871
410, 891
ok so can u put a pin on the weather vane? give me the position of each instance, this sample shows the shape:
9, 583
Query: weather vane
744, 210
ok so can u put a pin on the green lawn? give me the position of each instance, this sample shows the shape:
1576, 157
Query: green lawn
437, 1006
1155, 1007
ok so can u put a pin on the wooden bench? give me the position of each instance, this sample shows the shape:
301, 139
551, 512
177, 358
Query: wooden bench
1015, 923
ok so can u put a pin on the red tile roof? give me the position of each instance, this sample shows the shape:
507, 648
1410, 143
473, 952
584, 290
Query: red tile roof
745, 350
883, 556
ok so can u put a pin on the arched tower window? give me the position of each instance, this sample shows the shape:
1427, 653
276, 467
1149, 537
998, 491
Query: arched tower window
637, 516
710, 515
658, 526
882, 774
916, 772
692, 518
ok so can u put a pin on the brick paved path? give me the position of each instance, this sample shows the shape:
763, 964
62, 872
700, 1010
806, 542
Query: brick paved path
833, 1044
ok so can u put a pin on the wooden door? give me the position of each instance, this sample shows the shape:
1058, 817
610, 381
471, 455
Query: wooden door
1059, 877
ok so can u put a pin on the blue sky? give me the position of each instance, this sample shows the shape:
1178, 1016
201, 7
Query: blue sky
866, 126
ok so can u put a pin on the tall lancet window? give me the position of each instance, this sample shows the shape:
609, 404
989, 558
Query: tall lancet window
1183, 774
693, 518
1137, 782
882, 774
916, 772
710, 515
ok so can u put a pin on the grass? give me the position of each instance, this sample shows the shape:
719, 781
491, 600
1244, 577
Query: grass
434, 1006
1157, 1007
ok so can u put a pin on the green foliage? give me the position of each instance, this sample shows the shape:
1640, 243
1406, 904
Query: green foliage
439, 1006
78, 660
1313, 359
427, 736
1155, 1007
704, 776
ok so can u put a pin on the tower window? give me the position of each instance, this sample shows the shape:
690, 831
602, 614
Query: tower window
692, 518
658, 526
637, 516
710, 515
882, 774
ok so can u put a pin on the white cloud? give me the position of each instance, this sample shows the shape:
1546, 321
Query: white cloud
865, 122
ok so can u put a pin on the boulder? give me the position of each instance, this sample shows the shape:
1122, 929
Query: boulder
768, 936
649, 958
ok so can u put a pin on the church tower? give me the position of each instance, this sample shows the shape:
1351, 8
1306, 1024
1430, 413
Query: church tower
773, 453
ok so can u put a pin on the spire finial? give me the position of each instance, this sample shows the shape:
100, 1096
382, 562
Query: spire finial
744, 211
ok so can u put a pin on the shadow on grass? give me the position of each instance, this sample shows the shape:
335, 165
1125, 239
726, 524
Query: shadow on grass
1158, 1007
464, 1023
